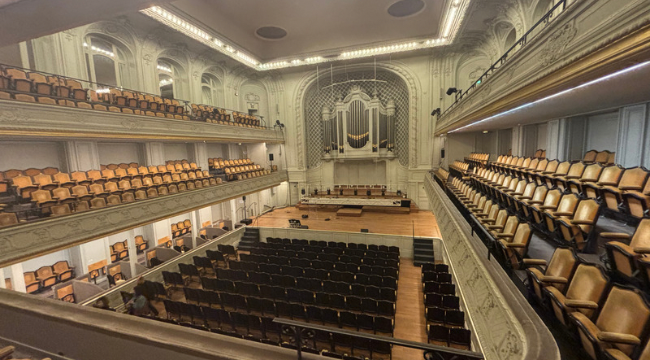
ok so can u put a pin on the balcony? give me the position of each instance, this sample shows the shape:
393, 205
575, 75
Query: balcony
28, 120
568, 47
24, 241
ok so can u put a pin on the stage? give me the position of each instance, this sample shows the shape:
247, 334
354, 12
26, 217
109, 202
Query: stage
335, 203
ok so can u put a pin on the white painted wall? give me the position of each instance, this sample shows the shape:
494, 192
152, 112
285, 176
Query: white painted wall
115, 153
602, 131
31, 154
46, 260
176, 151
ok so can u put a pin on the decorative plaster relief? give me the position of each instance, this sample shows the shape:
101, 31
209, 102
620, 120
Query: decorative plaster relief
28, 240
557, 43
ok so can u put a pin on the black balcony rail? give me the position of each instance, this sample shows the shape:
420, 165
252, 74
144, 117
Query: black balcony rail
302, 333
106, 98
521, 42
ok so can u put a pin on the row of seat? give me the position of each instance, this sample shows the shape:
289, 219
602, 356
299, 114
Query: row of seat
323, 343
444, 320
31, 86
355, 256
478, 159
612, 321
219, 163
461, 167
181, 228
176, 166
624, 191
440, 176
271, 241
47, 276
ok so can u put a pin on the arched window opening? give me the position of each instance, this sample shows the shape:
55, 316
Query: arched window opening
167, 75
106, 63
211, 90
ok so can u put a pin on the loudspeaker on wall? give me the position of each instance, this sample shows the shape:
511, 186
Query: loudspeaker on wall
270, 157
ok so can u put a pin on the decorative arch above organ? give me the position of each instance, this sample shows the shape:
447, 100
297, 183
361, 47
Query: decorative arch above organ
358, 127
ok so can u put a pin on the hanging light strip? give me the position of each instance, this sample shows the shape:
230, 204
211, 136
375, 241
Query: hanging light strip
167, 18
450, 25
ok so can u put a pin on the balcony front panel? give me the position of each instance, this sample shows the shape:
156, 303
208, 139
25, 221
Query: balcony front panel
24, 120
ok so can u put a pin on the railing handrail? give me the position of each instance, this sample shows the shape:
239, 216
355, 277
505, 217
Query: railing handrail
521, 41
391, 340
121, 88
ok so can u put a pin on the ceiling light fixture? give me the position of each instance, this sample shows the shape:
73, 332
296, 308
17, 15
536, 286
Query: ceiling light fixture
589, 83
452, 19
164, 68
167, 18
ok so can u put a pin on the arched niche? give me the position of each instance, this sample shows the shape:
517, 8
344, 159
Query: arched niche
542, 7
254, 99
470, 69
109, 62
212, 92
171, 78
510, 40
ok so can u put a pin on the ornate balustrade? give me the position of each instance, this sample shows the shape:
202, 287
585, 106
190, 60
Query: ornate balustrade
19, 119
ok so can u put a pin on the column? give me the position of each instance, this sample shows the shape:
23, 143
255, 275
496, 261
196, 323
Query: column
632, 139
81, 156
154, 153
133, 252
18, 277
199, 155
2, 279
233, 212
195, 218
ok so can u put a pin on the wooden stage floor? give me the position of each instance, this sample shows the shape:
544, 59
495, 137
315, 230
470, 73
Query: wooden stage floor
410, 323
424, 222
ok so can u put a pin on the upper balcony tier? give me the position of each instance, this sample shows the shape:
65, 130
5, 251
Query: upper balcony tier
577, 43
36, 104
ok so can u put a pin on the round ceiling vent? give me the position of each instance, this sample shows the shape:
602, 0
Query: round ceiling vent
404, 8
271, 33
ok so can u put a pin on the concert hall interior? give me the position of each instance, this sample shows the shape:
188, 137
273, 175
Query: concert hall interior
347, 179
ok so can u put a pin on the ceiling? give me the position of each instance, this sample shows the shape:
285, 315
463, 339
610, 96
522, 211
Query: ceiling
313, 26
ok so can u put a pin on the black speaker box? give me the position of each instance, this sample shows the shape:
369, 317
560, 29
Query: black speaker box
364, 230
305, 216
270, 157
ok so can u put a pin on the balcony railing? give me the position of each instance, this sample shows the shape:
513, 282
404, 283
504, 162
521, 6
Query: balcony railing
535, 30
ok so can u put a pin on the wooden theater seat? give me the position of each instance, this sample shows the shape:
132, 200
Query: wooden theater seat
619, 325
63, 271
46, 276
623, 250
32, 284
579, 231
556, 273
633, 179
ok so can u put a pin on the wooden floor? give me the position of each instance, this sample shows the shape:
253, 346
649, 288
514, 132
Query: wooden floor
423, 222
410, 323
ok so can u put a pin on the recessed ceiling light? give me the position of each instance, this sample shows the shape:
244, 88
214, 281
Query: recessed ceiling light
271, 33
405, 8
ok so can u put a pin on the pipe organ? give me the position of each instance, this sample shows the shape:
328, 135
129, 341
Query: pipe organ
359, 127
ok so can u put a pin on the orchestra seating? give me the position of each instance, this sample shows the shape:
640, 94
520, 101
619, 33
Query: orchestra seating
441, 175
445, 320
36, 193
459, 168
47, 276
38, 87
348, 286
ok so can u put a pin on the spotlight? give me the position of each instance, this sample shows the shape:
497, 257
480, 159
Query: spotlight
451, 90
435, 112
278, 124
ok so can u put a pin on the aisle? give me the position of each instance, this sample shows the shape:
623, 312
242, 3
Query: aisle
410, 323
